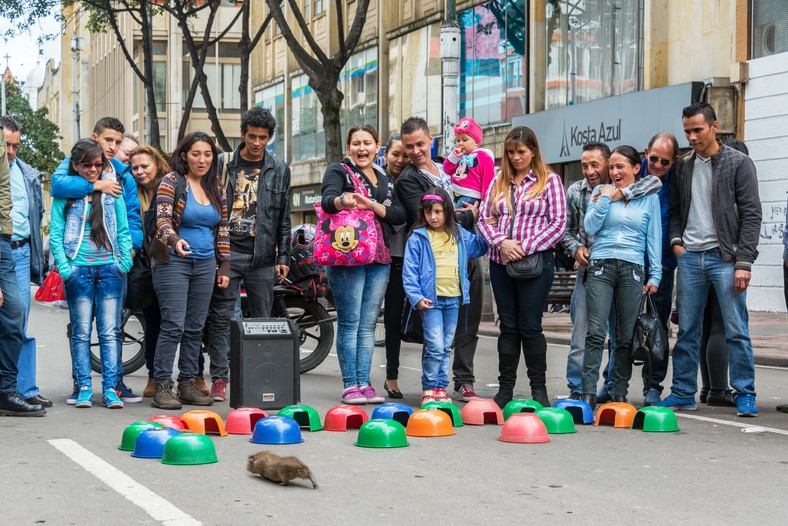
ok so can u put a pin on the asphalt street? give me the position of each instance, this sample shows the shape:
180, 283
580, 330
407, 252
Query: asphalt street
66, 469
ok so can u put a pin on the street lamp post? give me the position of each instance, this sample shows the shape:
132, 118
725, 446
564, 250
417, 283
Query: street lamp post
450, 69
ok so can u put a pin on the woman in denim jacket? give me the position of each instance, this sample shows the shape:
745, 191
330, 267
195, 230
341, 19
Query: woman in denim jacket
623, 232
91, 243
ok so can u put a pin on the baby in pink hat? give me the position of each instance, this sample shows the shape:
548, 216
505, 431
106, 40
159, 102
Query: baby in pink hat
472, 168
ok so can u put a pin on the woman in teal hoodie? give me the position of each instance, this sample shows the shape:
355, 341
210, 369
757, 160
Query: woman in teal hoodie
91, 243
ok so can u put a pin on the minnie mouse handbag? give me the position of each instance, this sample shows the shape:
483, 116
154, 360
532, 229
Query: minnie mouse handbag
349, 237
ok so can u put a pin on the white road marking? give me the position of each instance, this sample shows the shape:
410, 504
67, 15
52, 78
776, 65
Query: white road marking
731, 423
154, 505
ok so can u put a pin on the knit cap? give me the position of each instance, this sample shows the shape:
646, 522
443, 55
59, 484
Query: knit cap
469, 126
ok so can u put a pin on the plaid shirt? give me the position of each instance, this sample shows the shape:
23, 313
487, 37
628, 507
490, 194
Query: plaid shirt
577, 196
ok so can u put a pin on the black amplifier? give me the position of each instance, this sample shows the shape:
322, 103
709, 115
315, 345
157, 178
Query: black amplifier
264, 370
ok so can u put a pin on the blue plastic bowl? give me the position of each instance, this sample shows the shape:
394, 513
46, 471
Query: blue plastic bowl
581, 412
150, 443
392, 411
276, 430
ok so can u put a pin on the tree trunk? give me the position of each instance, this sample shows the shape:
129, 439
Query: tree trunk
245, 52
330, 105
150, 95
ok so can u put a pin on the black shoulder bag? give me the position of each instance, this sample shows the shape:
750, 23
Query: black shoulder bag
528, 267
649, 343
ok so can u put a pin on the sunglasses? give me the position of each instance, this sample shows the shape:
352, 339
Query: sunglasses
656, 160
88, 166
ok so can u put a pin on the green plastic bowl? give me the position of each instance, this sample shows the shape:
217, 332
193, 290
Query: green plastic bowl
382, 433
307, 417
520, 406
655, 420
557, 421
189, 449
131, 433
447, 407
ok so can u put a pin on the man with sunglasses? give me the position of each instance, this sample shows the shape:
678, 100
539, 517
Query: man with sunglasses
660, 157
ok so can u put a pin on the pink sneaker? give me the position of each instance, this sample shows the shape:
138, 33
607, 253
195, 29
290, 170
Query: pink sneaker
427, 396
371, 395
353, 396
218, 390
441, 396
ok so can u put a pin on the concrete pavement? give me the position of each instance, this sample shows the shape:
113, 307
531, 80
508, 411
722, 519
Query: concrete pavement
768, 331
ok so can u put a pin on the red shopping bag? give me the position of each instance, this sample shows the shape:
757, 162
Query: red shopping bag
52, 289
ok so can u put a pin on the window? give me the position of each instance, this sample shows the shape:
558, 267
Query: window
309, 140
415, 77
358, 81
306, 11
319, 6
273, 99
160, 86
592, 50
492, 61
769, 28
222, 81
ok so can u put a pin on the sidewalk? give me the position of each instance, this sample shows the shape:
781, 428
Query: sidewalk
768, 330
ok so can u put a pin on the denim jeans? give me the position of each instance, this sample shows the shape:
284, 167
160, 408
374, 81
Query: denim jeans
358, 294
392, 318
183, 287
663, 300
578, 314
26, 378
467, 335
259, 283
611, 280
439, 323
95, 290
12, 319
697, 271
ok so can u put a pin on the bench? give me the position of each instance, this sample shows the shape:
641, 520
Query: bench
563, 286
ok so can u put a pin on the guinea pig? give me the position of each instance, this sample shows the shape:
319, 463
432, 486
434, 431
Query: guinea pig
279, 469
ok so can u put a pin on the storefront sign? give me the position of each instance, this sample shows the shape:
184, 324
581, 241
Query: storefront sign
630, 119
305, 197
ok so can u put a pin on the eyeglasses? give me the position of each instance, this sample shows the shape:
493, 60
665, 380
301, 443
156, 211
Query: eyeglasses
656, 160
88, 166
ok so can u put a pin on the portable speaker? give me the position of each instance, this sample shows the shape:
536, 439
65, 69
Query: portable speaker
264, 371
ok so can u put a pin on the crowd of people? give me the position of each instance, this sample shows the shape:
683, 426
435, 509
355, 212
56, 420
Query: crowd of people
198, 224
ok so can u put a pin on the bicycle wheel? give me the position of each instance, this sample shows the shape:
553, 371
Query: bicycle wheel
380, 330
133, 327
316, 330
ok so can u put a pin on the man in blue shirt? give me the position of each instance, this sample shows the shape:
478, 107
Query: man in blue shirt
108, 132
27, 247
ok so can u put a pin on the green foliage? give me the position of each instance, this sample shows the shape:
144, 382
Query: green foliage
39, 135
26, 13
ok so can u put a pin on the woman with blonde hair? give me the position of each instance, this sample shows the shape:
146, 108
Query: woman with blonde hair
523, 215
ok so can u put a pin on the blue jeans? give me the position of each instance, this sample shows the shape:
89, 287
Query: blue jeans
358, 294
440, 323
663, 300
697, 271
183, 287
95, 290
12, 319
611, 280
578, 314
26, 378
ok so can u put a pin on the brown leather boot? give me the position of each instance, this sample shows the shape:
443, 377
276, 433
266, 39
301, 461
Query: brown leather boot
201, 385
190, 394
150, 389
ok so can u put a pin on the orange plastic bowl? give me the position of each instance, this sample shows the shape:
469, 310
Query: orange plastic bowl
617, 414
480, 411
204, 422
241, 421
341, 417
429, 423
524, 428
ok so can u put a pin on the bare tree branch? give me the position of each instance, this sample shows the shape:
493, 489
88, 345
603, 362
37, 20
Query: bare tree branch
307, 33
312, 66
341, 26
355, 30
226, 29
256, 39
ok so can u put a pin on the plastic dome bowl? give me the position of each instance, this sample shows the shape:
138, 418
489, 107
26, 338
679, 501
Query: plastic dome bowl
306, 416
276, 430
131, 433
447, 407
340, 417
520, 406
393, 411
172, 421
189, 449
581, 412
524, 428
429, 423
557, 421
150, 443
241, 421
382, 433
204, 422
480, 411
656, 420
617, 414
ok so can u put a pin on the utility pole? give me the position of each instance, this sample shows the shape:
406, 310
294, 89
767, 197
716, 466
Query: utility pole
450, 70
75, 47
7, 58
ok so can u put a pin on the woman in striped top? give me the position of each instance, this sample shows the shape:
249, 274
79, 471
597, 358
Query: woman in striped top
524, 213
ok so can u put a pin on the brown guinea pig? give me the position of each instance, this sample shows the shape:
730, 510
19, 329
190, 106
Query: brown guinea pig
279, 469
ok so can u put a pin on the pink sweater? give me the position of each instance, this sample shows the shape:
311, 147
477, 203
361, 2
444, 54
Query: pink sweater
472, 173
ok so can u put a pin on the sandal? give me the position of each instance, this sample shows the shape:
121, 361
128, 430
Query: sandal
393, 393
353, 396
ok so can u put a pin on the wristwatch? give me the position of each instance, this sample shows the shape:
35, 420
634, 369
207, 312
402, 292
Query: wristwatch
374, 202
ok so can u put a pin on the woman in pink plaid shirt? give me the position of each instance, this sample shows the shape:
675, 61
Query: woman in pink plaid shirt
524, 213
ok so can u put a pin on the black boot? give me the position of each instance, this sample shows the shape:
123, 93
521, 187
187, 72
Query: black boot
11, 404
508, 360
590, 399
535, 350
